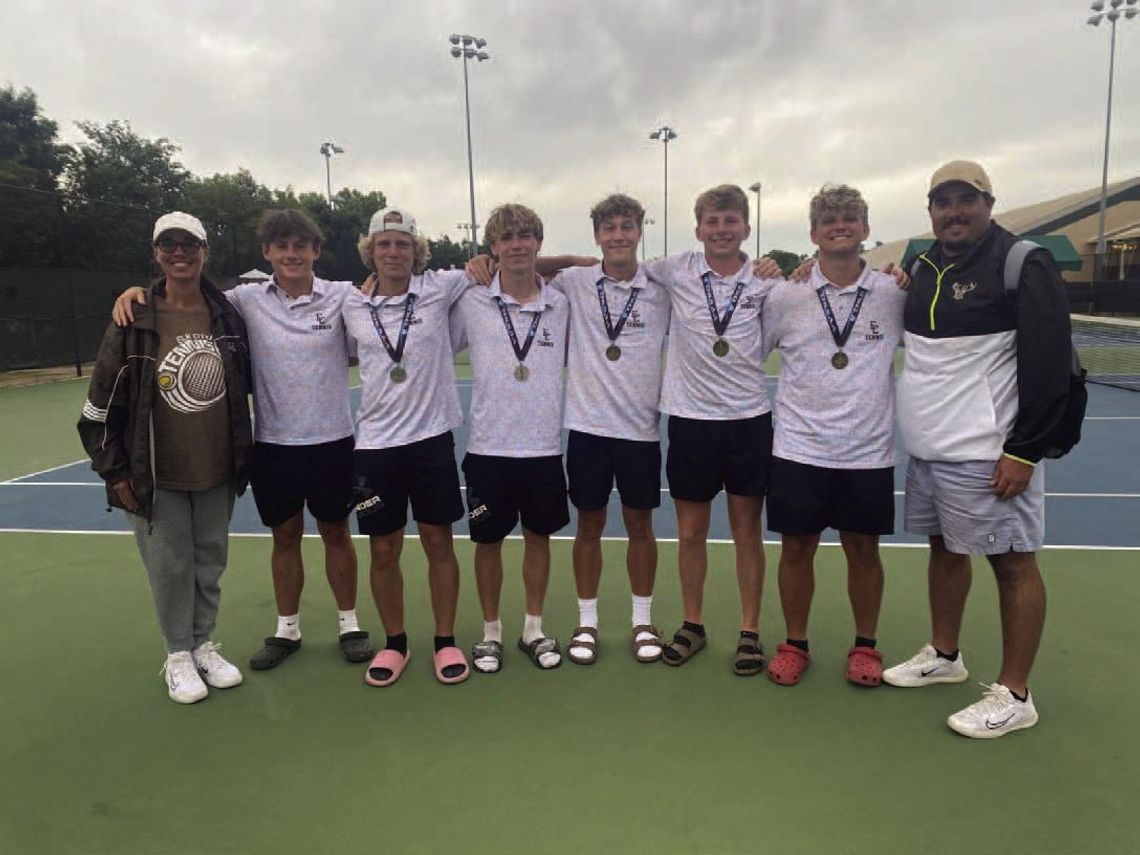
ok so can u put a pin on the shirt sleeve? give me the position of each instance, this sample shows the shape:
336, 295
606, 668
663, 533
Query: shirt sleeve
1044, 358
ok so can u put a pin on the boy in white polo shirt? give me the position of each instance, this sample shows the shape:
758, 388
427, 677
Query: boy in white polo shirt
302, 424
618, 321
516, 329
405, 453
833, 455
720, 423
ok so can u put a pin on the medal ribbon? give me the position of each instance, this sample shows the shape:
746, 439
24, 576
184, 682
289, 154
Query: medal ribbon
611, 330
396, 353
720, 324
520, 352
841, 337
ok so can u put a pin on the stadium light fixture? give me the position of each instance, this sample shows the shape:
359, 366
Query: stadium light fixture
328, 149
1113, 15
665, 134
467, 47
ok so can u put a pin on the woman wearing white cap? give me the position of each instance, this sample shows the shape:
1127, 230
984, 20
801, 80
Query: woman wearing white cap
405, 452
167, 426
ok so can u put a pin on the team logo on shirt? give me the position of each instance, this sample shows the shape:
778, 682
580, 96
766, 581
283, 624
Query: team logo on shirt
191, 377
961, 289
636, 321
547, 339
322, 322
876, 333
752, 301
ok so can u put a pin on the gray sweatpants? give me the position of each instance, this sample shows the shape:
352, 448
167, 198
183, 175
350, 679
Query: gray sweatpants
184, 550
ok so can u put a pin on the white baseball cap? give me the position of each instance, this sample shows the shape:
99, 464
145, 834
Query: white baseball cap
392, 220
179, 220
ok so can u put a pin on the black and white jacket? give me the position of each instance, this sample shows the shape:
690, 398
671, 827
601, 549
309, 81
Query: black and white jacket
986, 372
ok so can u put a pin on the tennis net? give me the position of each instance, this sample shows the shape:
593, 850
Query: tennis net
1109, 349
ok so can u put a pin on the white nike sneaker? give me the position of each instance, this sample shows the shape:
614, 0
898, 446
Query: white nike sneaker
996, 714
217, 671
182, 681
926, 668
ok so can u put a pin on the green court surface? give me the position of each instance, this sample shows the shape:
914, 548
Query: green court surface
613, 758
617, 757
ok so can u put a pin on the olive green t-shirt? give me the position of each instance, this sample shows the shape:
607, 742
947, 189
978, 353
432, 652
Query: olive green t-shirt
192, 443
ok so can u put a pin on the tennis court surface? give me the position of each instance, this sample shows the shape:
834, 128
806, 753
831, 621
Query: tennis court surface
617, 757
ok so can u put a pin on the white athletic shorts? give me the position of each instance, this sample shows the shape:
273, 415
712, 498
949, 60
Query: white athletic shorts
956, 501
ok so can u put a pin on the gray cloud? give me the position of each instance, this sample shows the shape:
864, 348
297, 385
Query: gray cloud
874, 93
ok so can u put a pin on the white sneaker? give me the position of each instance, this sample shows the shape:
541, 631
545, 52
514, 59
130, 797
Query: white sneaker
926, 668
217, 671
182, 681
996, 714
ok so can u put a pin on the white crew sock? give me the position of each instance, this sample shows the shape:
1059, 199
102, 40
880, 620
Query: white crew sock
532, 628
493, 630
347, 622
588, 612
642, 609
289, 626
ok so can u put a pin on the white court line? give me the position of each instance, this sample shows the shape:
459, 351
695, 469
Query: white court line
44, 471
1112, 418
1071, 547
664, 490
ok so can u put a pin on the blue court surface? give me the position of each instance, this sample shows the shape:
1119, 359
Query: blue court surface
1093, 493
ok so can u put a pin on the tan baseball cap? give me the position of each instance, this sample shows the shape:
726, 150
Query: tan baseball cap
965, 171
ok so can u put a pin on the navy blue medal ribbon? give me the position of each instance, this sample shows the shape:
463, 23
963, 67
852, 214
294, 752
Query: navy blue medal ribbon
840, 359
613, 352
398, 372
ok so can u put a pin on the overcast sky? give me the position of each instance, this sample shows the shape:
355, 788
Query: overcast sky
795, 93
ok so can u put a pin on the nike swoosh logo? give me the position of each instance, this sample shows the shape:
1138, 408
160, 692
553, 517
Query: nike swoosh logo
998, 725
931, 671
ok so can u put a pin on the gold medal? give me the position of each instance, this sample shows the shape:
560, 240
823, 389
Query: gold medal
839, 360
720, 347
398, 374
521, 372
613, 353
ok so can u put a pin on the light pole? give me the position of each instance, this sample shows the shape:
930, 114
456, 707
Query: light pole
328, 149
1113, 15
465, 228
646, 223
665, 133
464, 47
755, 188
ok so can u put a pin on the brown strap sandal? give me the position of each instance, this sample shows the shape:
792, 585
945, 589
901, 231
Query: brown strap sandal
749, 659
685, 645
590, 644
641, 647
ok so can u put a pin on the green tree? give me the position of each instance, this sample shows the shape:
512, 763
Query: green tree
446, 253
229, 205
118, 183
788, 261
31, 161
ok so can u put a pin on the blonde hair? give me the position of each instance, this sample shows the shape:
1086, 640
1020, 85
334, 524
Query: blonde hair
837, 198
723, 197
511, 218
421, 253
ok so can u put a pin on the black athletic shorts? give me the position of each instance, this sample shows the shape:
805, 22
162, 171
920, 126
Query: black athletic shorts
706, 456
594, 463
424, 472
804, 499
285, 478
503, 490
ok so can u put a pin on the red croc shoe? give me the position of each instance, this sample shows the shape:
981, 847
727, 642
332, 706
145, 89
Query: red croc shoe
788, 665
864, 666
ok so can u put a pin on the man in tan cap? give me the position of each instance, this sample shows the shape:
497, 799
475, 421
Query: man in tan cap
983, 392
